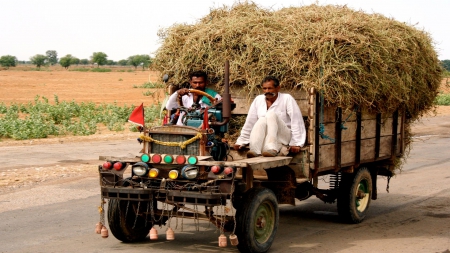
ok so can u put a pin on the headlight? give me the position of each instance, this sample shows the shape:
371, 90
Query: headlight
189, 172
140, 169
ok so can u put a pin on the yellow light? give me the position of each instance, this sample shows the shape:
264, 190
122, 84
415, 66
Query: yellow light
173, 174
153, 173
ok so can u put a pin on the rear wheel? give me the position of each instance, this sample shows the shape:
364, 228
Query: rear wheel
127, 220
355, 193
257, 220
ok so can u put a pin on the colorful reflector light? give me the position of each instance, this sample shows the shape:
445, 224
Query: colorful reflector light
107, 165
118, 166
153, 173
168, 159
173, 174
192, 160
145, 158
156, 158
228, 171
216, 169
181, 159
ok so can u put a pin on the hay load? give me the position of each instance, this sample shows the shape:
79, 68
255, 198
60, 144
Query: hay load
352, 57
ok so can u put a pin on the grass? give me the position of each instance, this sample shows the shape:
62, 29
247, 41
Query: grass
149, 85
148, 93
40, 119
91, 70
443, 99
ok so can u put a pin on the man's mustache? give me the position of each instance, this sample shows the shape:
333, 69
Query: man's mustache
270, 93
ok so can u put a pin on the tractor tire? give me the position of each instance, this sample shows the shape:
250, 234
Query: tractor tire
355, 193
257, 220
125, 225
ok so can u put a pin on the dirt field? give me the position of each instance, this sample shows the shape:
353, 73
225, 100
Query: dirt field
21, 86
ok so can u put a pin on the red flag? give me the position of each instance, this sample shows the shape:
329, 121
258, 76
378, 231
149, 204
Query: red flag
137, 116
205, 119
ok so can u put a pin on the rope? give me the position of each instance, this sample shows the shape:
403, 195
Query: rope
182, 145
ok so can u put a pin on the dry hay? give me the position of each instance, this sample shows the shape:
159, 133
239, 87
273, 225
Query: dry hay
352, 57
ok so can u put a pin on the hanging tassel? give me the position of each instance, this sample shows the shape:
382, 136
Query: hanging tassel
234, 240
98, 228
104, 232
153, 234
170, 235
222, 241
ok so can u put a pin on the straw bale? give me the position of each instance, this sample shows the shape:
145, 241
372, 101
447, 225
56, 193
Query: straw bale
352, 57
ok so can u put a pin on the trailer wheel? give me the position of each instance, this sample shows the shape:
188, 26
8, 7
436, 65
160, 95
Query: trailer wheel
355, 193
124, 225
257, 220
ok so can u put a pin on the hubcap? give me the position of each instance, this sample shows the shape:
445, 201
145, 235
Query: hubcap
362, 196
264, 222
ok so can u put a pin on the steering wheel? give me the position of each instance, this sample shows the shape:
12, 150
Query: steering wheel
198, 92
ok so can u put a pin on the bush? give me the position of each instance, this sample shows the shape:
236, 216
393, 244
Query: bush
443, 99
100, 70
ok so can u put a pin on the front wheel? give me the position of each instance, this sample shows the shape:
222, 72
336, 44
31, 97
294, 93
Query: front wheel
257, 220
127, 220
355, 193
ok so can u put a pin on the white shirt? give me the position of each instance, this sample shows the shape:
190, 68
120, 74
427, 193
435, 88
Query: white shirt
286, 108
188, 100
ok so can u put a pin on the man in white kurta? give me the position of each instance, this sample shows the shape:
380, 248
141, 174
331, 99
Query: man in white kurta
274, 119
198, 80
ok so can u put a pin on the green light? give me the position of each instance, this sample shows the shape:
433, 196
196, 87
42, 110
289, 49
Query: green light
192, 160
145, 158
168, 159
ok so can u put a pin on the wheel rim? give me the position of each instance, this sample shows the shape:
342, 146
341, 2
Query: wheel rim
362, 196
264, 222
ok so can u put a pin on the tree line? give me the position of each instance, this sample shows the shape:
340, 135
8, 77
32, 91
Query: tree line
99, 58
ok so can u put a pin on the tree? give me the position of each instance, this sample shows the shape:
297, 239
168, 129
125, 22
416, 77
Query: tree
446, 64
134, 60
8, 61
84, 61
123, 62
52, 56
38, 60
146, 60
75, 61
110, 62
66, 61
100, 58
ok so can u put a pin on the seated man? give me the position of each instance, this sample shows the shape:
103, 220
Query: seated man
274, 119
198, 80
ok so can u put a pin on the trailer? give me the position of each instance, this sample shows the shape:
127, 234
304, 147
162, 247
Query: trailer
180, 168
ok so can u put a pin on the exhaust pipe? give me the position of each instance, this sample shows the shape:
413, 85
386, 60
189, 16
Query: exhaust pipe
226, 98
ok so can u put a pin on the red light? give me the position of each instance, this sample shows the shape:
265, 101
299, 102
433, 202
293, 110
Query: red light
118, 166
216, 169
107, 165
181, 159
156, 158
228, 171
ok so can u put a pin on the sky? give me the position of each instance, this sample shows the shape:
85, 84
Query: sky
124, 28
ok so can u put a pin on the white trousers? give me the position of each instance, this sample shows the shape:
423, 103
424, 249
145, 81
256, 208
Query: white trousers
269, 133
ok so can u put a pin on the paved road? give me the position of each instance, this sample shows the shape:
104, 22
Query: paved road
413, 217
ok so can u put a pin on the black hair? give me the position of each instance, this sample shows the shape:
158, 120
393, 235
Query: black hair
199, 73
275, 80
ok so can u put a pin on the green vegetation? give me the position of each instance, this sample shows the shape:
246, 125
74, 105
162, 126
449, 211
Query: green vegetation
8, 61
100, 70
148, 93
443, 99
100, 58
149, 85
80, 69
42, 119
52, 57
39, 60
